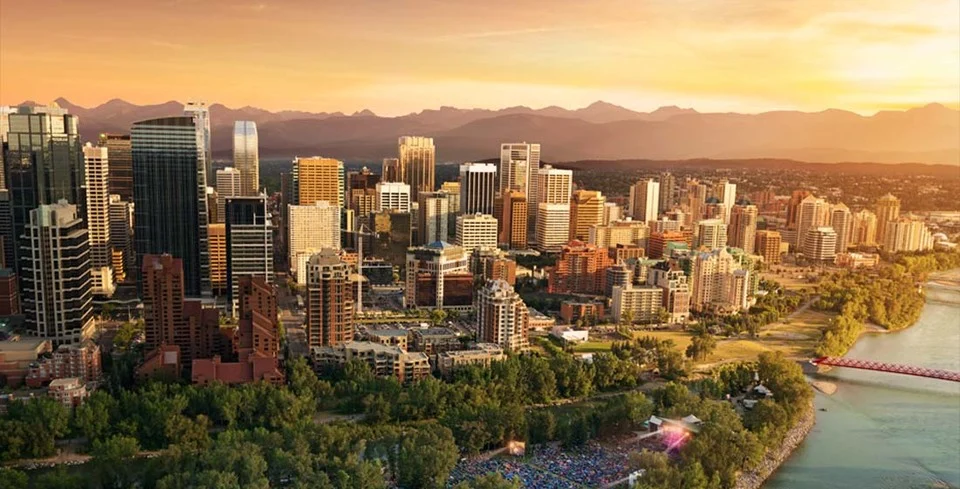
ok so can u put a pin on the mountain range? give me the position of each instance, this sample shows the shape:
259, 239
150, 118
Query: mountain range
600, 131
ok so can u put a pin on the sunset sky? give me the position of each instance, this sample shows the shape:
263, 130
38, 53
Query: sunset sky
395, 57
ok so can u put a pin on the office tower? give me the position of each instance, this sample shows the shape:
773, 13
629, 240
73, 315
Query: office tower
246, 156
121, 238
391, 171
362, 193
199, 112
329, 305
718, 282
96, 171
668, 191
812, 213
611, 213
625, 232
170, 194
171, 320
676, 290
44, 164
820, 244
229, 184
743, 227
768, 246
502, 316
417, 157
476, 231
904, 234
643, 302
727, 195
645, 200
56, 284
712, 234
660, 244
121, 164
433, 218
438, 277
519, 171
452, 190
586, 209
312, 227
554, 186
249, 242
513, 225
8, 249
217, 239
553, 226
478, 184
393, 196
579, 270
319, 179
793, 207
864, 229
841, 220
887, 209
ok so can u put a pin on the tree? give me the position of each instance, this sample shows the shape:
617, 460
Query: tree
111, 460
92, 418
43, 420
191, 434
58, 478
12, 479
425, 459
490, 481
701, 346
541, 426
438, 316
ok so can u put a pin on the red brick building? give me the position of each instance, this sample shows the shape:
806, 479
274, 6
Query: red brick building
572, 311
657, 243
579, 270
9, 293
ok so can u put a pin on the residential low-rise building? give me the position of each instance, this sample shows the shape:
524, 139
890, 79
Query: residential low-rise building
383, 360
571, 311
389, 337
434, 340
81, 361
482, 354
70, 391
857, 260
643, 303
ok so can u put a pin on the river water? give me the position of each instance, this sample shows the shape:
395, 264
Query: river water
888, 431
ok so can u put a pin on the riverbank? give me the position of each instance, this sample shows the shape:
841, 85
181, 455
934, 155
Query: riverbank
754, 479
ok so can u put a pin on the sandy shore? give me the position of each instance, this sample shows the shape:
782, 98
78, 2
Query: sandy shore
827, 388
774, 458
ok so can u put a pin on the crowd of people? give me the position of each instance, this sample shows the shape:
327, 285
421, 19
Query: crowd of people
591, 465
530, 477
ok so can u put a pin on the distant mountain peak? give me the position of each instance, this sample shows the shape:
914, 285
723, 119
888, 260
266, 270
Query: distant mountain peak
364, 113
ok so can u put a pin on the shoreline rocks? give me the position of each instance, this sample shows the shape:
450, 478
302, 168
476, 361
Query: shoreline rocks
774, 458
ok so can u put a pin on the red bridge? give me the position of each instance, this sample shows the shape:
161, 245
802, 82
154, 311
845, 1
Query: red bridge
894, 368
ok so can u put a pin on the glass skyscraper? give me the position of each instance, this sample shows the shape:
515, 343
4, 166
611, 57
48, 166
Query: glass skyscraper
170, 201
246, 156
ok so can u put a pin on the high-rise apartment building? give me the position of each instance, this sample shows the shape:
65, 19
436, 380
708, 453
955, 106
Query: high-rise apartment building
513, 225
249, 242
246, 157
319, 179
841, 220
676, 290
478, 185
553, 226
625, 232
586, 210
645, 200
820, 244
579, 270
743, 227
519, 171
643, 303
417, 157
121, 239
718, 282
121, 164
695, 202
502, 316
864, 229
438, 277
433, 218
170, 194
312, 228
96, 170
44, 164
904, 234
793, 207
229, 184
768, 246
55, 282
476, 231
711, 234
812, 213
329, 302
394, 196
727, 195
362, 193
611, 213
887, 209
217, 239
668, 191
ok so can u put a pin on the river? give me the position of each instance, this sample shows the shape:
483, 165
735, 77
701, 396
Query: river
888, 431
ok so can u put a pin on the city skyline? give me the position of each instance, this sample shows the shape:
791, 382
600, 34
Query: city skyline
742, 56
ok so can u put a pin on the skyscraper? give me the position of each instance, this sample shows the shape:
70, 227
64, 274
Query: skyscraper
217, 240
712, 234
329, 305
44, 164
198, 111
727, 194
812, 213
477, 187
887, 209
438, 277
743, 227
645, 200
96, 170
513, 224
312, 228
391, 171
904, 234
820, 244
502, 316
229, 184
718, 282
841, 220
319, 179
586, 209
793, 207
768, 246
7, 244
249, 242
393, 196
668, 191
864, 229
121, 239
554, 186
417, 157
433, 218
121, 164
553, 226
362, 193
55, 257
246, 156
170, 194
476, 231
519, 167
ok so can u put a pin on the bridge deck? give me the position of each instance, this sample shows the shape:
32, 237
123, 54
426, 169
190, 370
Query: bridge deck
931, 373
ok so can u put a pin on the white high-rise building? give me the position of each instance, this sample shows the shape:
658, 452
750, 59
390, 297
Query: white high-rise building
229, 184
905, 234
553, 226
519, 167
312, 228
812, 213
645, 200
476, 231
611, 213
727, 194
393, 196
718, 282
246, 156
96, 169
712, 234
554, 186
478, 185
841, 219
820, 244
